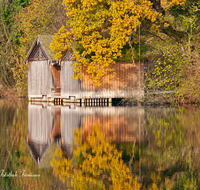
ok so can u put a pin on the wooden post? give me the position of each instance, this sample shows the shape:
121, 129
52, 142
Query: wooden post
110, 101
106, 103
83, 102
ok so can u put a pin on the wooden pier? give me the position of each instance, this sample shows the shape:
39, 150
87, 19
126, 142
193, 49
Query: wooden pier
88, 102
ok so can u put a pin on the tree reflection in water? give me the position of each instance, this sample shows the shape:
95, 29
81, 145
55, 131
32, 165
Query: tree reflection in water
172, 153
166, 158
166, 152
95, 163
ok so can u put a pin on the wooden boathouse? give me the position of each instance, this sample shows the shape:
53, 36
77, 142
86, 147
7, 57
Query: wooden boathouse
43, 71
50, 79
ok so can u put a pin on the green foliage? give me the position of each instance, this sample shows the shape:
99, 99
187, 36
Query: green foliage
20, 22
186, 181
102, 32
176, 71
169, 70
176, 60
8, 41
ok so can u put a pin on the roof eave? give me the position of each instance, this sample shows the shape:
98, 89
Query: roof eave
31, 49
36, 41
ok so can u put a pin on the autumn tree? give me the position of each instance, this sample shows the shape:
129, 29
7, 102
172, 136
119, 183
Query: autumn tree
40, 17
174, 50
20, 22
97, 31
8, 11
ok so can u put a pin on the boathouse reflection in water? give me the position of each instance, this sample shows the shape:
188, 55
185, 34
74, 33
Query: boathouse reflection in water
53, 126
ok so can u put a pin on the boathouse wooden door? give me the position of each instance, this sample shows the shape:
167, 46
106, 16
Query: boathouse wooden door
69, 87
39, 79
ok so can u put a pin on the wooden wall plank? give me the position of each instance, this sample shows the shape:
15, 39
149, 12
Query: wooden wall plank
39, 78
126, 80
69, 87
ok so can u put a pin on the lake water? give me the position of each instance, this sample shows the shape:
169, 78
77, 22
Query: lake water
160, 147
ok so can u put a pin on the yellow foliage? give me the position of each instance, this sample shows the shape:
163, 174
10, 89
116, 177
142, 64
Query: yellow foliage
95, 163
101, 28
38, 18
166, 4
20, 73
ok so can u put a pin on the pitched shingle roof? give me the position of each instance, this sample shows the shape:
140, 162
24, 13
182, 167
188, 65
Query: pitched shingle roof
45, 41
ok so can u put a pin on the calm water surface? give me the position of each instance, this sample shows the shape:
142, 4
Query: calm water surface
160, 147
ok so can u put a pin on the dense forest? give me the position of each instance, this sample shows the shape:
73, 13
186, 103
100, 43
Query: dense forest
162, 33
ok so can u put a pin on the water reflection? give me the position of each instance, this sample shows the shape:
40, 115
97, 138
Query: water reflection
43, 127
166, 149
48, 125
